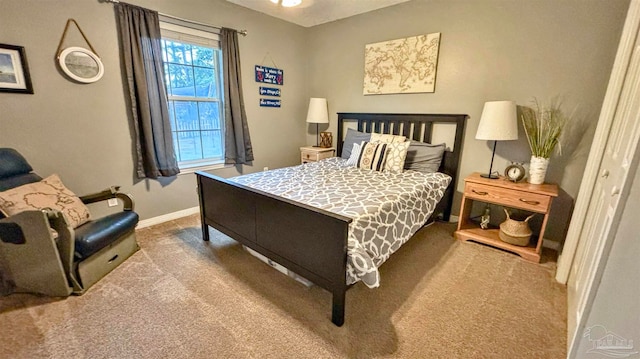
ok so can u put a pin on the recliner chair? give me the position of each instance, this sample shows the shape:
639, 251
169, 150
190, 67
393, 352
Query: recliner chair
33, 258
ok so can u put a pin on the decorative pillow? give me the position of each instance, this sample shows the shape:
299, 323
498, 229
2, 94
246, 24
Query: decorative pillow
396, 154
352, 137
424, 157
386, 138
48, 193
373, 156
355, 154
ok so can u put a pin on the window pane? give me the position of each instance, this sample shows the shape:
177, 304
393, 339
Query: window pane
172, 117
205, 82
186, 116
209, 115
212, 144
181, 80
202, 56
190, 145
176, 145
177, 52
192, 71
167, 80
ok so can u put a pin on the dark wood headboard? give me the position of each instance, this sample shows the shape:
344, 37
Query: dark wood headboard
417, 127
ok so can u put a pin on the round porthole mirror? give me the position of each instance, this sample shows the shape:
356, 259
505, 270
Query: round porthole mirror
81, 64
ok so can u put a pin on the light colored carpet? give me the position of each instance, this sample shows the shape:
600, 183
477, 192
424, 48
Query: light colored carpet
180, 297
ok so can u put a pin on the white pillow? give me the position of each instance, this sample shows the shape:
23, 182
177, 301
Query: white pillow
386, 138
355, 154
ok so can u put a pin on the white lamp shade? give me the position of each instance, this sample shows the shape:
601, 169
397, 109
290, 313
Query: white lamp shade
498, 121
318, 112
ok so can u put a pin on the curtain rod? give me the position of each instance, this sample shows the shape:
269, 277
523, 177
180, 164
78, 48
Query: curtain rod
241, 32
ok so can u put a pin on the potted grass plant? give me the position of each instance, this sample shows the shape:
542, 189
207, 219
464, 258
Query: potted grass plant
543, 125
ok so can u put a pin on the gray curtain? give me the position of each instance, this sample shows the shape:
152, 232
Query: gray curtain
237, 142
139, 31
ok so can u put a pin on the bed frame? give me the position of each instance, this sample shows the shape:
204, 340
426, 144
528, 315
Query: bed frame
310, 241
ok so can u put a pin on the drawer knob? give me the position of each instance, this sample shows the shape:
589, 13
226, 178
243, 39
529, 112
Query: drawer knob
533, 203
307, 155
481, 193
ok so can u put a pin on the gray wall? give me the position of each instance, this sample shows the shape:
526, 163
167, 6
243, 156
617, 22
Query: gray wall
616, 306
490, 50
80, 131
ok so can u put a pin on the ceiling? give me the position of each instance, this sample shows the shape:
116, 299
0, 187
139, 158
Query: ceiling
316, 12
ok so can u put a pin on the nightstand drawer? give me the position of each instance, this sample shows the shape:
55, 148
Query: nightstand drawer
314, 154
508, 197
310, 156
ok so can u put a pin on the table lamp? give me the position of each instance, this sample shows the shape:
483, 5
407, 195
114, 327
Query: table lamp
317, 114
497, 123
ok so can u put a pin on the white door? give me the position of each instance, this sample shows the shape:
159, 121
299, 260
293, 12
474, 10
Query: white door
616, 162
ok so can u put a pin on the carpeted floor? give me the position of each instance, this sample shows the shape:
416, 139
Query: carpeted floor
180, 297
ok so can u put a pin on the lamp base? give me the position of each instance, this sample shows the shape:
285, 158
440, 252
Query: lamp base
489, 176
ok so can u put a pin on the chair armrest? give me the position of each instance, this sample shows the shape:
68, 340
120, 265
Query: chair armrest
111, 192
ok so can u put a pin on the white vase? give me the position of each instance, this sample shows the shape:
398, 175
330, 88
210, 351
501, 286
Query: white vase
538, 169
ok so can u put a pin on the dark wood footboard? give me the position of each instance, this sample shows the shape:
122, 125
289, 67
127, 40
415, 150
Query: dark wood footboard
309, 241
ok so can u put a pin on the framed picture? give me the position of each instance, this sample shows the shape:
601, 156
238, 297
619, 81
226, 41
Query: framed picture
14, 71
81, 64
401, 66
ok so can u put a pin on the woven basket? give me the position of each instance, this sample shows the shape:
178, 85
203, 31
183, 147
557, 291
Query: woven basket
515, 232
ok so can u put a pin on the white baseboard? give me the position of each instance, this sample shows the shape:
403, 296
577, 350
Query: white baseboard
167, 217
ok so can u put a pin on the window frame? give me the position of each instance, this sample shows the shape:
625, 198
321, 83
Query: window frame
193, 36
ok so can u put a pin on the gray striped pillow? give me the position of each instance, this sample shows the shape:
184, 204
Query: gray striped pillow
355, 155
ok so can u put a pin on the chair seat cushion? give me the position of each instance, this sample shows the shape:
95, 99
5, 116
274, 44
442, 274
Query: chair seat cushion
95, 235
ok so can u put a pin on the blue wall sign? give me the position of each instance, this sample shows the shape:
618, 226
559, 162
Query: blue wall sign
269, 91
269, 75
267, 102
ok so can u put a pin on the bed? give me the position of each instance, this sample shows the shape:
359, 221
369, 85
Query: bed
285, 215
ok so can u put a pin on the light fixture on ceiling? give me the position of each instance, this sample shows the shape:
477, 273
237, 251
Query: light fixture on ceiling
287, 3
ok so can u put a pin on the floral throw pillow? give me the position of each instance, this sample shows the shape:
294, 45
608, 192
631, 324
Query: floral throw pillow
48, 193
373, 156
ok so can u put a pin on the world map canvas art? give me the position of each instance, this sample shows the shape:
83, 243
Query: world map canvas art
401, 66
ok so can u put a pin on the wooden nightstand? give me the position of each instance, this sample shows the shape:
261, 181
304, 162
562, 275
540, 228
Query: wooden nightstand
526, 196
313, 154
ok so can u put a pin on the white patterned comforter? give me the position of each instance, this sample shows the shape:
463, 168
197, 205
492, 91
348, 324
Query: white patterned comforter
386, 208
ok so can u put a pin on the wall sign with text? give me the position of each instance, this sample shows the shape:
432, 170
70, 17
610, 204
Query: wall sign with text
269, 75
269, 91
267, 102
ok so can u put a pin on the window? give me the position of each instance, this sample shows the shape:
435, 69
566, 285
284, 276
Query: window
192, 63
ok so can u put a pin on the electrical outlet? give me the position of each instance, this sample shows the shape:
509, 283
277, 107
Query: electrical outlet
112, 202
265, 169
